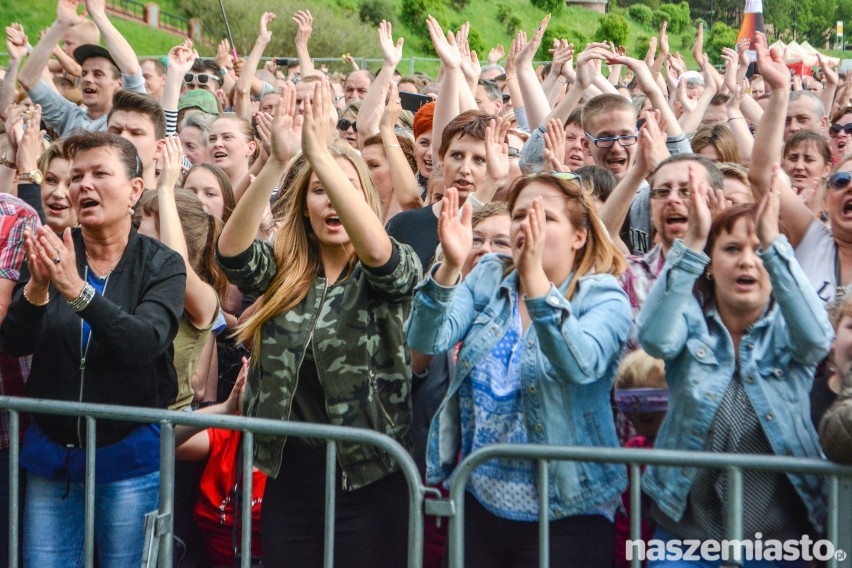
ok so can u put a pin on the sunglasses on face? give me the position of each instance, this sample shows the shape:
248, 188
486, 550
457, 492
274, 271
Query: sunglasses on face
200, 78
836, 128
840, 180
343, 125
514, 153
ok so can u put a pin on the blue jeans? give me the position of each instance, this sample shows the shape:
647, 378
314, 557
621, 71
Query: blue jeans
665, 536
54, 521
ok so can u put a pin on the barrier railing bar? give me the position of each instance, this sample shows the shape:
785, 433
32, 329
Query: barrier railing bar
330, 487
734, 511
831, 522
14, 485
248, 492
89, 520
257, 425
543, 515
167, 493
732, 463
635, 509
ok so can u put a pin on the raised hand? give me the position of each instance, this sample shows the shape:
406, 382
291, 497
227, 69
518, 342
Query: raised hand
304, 26
664, 39
496, 53
30, 145
181, 57
497, 151
63, 274
651, 54
66, 13
392, 53
531, 251
316, 129
96, 7
263, 33
771, 64
554, 145
172, 162
699, 215
517, 44
39, 270
393, 109
14, 125
589, 62
16, 41
563, 54
286, 132
698, 46
224, 57
528, 51
652, 147
766, 223
456, 234
731, 67
445, 45
828, 70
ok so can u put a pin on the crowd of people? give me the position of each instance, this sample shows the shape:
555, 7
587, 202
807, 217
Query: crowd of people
602, 251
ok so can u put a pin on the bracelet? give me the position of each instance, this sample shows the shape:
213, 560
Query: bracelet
736, 117
511, 76
80, 302
27, 298
9, 163
392, 146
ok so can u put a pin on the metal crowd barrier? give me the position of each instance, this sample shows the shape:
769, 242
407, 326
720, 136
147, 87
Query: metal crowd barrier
158, 551
839, 526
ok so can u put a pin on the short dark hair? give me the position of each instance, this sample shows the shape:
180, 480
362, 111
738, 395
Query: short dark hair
469, 123
131, 101
85, 141
205, 65
492, 89
714, 176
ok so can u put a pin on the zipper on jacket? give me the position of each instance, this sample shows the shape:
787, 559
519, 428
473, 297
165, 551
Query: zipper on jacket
374, 383
84, 350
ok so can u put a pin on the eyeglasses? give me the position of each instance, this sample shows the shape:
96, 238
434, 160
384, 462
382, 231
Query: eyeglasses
507, 98
343, 125
836, 128
840, 180
201, 78
625, 140
567, 176
496, 242
514, 153
665, 192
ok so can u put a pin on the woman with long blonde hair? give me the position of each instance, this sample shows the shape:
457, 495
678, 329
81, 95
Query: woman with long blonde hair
328, 342
541, 336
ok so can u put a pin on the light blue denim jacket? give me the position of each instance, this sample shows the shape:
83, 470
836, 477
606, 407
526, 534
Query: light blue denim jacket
778, 356
567, 370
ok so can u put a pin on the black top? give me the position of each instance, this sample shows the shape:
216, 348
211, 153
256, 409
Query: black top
419, 229
129, 357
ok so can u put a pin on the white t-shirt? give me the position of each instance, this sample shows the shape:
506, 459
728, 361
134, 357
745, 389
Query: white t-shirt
817, 254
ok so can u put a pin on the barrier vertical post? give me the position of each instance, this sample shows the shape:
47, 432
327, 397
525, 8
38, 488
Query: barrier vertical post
14, 485
167, 493
246, 503
330, 488
734, 510
635, 510
543, 515
89, 524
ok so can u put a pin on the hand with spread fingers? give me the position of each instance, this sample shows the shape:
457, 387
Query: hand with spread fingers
456, 235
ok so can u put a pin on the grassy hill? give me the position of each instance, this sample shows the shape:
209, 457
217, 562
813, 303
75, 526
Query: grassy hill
330, 15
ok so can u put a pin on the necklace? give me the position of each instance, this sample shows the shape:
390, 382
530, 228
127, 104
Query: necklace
100, 275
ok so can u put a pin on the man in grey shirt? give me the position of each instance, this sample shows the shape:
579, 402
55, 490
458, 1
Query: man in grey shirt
104, 71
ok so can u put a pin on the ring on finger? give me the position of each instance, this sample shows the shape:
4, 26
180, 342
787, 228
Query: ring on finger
58, 259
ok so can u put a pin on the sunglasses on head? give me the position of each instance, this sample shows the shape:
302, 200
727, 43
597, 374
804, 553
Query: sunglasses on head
343, 125
200, 78
836, 128
840, 180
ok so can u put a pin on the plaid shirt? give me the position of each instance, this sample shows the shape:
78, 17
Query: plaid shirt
15, 216
642, 271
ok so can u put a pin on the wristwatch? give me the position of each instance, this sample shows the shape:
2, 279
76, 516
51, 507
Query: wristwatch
31, 177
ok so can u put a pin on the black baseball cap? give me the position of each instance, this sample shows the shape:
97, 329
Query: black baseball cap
88, 50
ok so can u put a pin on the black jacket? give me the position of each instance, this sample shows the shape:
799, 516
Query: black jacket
129, 358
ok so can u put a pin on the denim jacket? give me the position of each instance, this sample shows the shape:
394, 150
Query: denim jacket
567, 370
778, 356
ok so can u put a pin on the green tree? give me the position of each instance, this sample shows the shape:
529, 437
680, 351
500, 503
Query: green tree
560, 31
612, 27
720, 35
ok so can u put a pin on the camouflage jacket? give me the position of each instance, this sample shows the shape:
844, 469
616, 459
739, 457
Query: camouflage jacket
357, 327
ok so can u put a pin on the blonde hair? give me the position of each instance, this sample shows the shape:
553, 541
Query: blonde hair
297, 255
599, 254
638, 370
